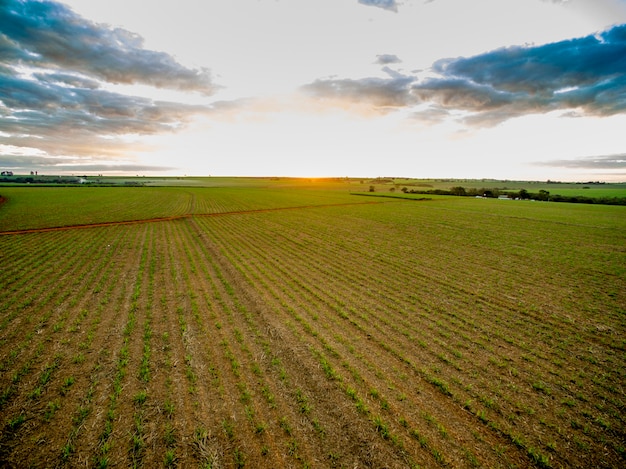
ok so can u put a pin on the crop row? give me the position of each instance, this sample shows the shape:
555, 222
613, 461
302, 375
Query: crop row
276, 399
518, 397
307, 307
393, 335
64, 333
28, 208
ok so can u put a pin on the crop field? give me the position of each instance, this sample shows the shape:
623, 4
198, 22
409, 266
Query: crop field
306, 327
44, 207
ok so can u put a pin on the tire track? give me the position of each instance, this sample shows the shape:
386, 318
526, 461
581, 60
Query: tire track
175, 217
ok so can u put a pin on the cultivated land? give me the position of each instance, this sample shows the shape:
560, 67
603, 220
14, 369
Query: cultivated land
291, 324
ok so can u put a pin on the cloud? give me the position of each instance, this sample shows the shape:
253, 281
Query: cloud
455, 93
377, 92
578, 77
50, 35
586, 75
25, 163
69, 80
386, 59
48, 114
55, 67
390, 5
617, 161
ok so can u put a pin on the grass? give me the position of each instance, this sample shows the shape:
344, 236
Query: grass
16, 422
51, 410
36, 207
437, 323
303, 402
169, 460
140, 398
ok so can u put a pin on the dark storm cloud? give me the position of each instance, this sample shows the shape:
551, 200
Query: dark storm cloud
50, 35
583, 76
390, 5
54, 67
617, 161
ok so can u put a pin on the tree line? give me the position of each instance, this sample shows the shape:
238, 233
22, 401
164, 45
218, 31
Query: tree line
522, 194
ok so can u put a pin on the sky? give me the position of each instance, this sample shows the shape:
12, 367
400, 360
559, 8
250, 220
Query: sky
502, 89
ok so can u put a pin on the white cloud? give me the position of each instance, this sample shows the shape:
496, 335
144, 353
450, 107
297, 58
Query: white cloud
263, 51
390, 5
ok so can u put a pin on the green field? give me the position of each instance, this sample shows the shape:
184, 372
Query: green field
292, 323
39, 207
590, 189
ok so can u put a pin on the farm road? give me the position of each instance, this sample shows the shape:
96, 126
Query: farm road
175, 217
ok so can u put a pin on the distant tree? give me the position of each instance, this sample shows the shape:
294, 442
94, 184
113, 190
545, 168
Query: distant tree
372, 189
393, 189
458, 190
405, 189
543, 195
523, 194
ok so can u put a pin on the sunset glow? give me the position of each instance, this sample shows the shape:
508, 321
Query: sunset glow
507, 89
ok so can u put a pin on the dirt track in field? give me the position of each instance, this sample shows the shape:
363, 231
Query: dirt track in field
175, 217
